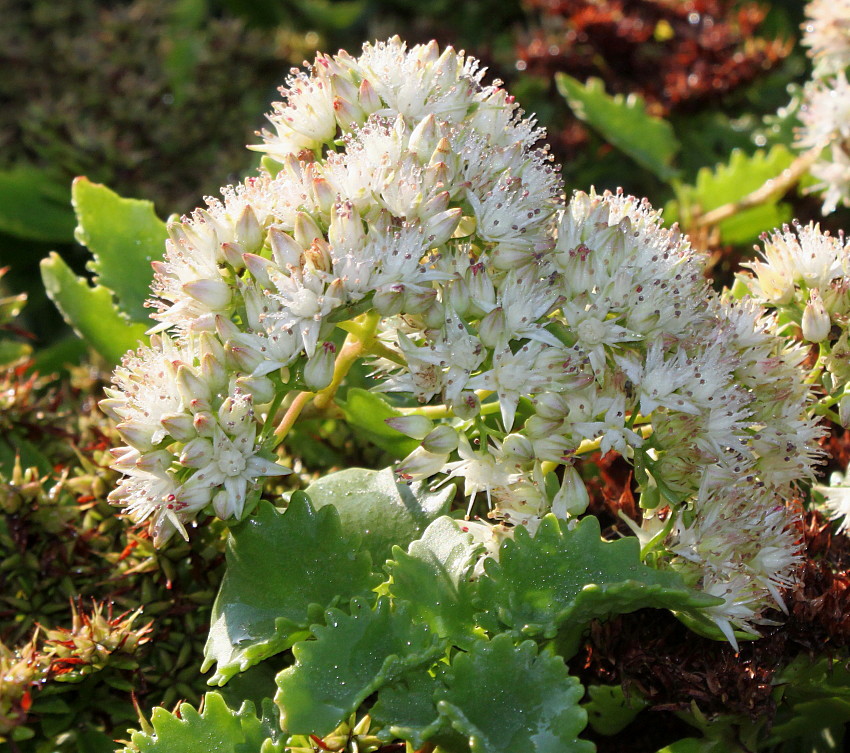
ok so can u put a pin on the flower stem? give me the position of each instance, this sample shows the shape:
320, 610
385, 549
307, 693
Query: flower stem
291, 416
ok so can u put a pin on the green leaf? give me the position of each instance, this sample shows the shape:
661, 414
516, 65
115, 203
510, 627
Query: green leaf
216, 729
34, 206
368, 412
434, 576
407, 709
609, 710
728, 183
351, 658
90, 311
279, 564
385, 512
694, 745
564, 579
506, 698
624, 123
124, 235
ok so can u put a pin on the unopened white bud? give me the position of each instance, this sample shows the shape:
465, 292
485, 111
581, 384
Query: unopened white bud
197, 453
285, 251
260, 388
417, 427
306, 230
572, 498
467, 405
205, 423
243, 357
816, 322
179, 425
234, 413
517, 448
319, 369
259, 268
135, 435
232, 253
440, 227
194, 391
214, 294
420, 464
423, 138
492, 330
551, 405
348, 114
389, 300
443, 439
249, 233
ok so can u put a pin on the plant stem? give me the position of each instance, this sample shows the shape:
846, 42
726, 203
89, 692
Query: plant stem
593, 445
291, 415
771, 188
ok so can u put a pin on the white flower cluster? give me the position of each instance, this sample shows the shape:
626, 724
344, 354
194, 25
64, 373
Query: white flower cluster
825, 109
406, 189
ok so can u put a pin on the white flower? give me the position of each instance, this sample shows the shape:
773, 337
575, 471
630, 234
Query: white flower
827, 33
837, 500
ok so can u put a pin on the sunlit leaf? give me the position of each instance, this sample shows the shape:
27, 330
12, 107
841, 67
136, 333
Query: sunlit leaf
507, 698
351, 657
624, 123
279, 565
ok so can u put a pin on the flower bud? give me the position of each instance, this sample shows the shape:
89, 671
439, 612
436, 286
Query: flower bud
389, 300
249, 233
434, 315
242, 357
572, 498
466, 406
306, 230
348, 114
197, 453
420, 464
346, 227
135, 435
551, 405
205, 423
442, 440
492, 331
194, 391
214, 294
418, 301
416, 427
260, 388
423, 138
459, 296
439, 227
179, 425
319, 370
234, 413
113, 407
224, 504
816, 322
844, 411
318, 255
259, 268
232, 253
323, 193
517, 449
285, 251
368, 97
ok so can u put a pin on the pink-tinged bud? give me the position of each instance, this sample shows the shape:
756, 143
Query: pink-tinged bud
416, 427
242, 357
344, 87
135, 435
248, 231
211, 345
154, 462
572, 498
442, 440
420, 464
844, 411
506, 257
197, 453
551, 405
423, 138
348, 114
436, 177
225, 328
159, 267
205, 423
492, 330
261, 389
113, 407
434, 315
442, 152
306, 230
318, 256
440, 227
467, 405
517, 448
213, 372
368, 97
180, 426
177, 234
232, 253
214, 294
285, 251
225, 506
259, 268
319, 369
435, 205
324, 194
389, 300
346, 229
234, 413
816, 322
419, 301
192, 388
125, 459
482, 293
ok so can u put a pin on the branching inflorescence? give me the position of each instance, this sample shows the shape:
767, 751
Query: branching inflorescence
408, 204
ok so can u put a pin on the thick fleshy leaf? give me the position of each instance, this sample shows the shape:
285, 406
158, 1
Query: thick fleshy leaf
610, 710
215, 729
124, 235
434, 576
34, 206
624, 123
730, 182
281, 568
90, 311
562, 579
368, 412
507, 698
352, 657
385, 512
408, 709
